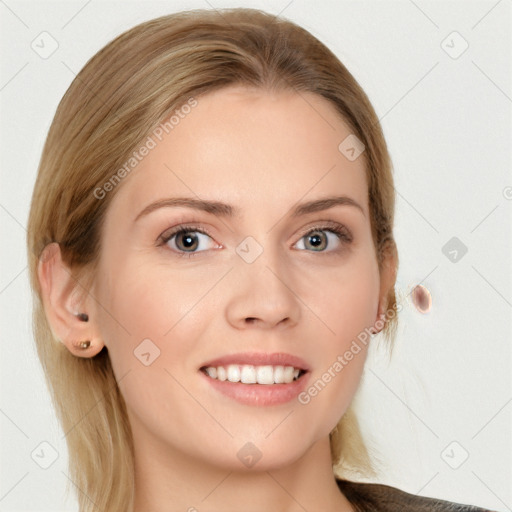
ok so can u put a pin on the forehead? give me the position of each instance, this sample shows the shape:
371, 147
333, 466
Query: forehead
250, 148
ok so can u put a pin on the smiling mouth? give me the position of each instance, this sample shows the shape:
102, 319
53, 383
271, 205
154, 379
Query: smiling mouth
251, 374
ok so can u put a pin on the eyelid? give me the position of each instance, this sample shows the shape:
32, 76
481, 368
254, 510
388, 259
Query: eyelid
337, 228
184, 227
326, 225
320, 225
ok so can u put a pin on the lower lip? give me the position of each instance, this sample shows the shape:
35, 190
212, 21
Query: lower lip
259, 394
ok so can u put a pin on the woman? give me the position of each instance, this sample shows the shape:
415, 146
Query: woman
211, 246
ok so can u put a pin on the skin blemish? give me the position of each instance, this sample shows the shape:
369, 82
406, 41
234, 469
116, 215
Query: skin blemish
421, 298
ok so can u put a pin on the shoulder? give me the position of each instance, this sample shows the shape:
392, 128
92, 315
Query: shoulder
369, 497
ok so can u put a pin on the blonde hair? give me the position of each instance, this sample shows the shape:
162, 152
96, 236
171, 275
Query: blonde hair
123, 92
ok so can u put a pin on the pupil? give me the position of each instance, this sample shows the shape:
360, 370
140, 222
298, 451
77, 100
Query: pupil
189, 241
315, 240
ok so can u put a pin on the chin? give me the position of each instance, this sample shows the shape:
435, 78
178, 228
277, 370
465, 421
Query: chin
262, 452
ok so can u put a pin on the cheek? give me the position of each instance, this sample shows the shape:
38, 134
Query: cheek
144, 298
347, 307
150, 327
345, 299
146, 308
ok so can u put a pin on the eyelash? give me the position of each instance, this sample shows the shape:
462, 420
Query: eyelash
338, 229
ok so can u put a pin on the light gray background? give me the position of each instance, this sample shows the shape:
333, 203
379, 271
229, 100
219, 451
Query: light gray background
448, 125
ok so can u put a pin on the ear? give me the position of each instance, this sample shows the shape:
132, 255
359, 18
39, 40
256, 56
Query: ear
68, 305
387, 281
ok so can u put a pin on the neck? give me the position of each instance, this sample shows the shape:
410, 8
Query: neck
168, 479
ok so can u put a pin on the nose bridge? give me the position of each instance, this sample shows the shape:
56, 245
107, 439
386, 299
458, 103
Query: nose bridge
263, 285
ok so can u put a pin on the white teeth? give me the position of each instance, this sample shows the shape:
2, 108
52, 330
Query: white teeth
249, 374
288, 374
279, 374
233, 373
265, 375
212, 372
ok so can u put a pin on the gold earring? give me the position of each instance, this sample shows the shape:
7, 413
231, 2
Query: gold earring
85, 344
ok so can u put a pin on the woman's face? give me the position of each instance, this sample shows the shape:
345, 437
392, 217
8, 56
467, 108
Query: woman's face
254, 285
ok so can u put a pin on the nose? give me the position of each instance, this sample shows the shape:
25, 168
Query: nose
262, 294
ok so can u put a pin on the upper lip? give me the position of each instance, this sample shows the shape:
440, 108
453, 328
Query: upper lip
258, 359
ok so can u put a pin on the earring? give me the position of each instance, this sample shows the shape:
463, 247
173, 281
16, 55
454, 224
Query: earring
378, 325
84, 318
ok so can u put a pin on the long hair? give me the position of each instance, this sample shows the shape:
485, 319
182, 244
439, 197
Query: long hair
119, 97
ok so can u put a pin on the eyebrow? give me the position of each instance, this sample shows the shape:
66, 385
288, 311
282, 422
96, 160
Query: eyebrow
226, 210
